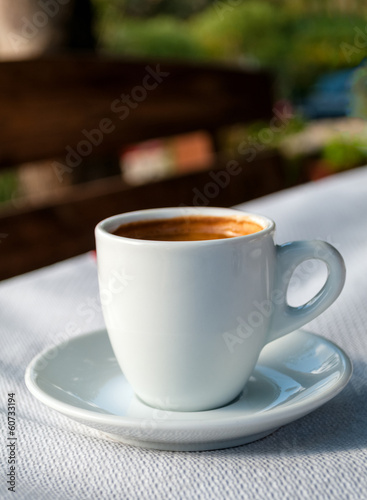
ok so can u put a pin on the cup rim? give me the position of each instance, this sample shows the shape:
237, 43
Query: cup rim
106, 226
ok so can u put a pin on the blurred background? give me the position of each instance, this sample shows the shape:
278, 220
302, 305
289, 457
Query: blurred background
308, 56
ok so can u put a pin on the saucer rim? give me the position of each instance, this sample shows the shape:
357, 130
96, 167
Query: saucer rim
272, 419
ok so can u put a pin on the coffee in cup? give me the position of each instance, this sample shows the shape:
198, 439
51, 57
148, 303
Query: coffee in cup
189, 228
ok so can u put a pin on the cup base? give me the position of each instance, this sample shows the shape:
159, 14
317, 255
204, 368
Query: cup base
190, 408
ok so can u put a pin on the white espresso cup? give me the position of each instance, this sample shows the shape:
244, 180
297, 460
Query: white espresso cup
187, 320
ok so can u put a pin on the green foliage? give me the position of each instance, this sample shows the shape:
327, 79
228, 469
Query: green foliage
296, 47
148, 8
226, 31
255, 132
316, 47
294, 125
342, 153
158, 37
359, 93
8, 185
295, 42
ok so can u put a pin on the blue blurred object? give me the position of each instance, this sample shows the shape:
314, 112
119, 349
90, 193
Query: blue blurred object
330, 96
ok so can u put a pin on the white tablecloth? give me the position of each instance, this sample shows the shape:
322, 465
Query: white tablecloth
323, 455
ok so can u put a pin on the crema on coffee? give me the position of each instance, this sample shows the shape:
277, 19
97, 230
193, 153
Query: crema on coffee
189, 228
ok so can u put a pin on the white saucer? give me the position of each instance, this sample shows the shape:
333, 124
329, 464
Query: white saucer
294, 375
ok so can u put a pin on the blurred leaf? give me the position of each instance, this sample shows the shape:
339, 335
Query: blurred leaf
342, 153
158, 37
8, 185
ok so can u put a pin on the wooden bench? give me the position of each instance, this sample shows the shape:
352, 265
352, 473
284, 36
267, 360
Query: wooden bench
96, 106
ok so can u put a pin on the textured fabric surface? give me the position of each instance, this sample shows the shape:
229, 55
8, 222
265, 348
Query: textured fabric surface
322, 455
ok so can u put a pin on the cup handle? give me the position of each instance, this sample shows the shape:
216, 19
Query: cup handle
286, 318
